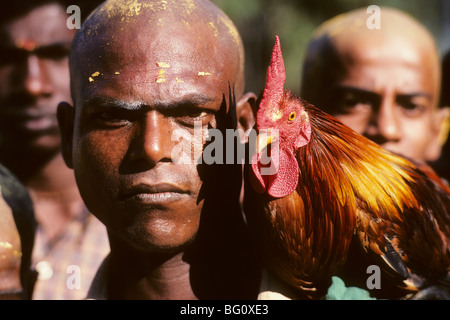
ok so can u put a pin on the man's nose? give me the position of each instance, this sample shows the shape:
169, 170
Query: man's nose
152, 141
384, 125
36, 80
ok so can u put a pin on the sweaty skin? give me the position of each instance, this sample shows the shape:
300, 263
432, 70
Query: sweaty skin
383, 83
140, 71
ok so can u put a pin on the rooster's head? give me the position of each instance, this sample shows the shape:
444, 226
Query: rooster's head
283, 127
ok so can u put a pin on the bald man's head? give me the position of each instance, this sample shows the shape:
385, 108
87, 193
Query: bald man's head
383, 83
157, 35
340, 41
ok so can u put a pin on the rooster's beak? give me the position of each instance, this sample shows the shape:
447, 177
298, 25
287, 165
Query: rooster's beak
265, 138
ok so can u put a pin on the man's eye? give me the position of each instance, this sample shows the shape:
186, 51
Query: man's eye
112, 118
413, 110
352, 104
53, 52
12, 56
194, 117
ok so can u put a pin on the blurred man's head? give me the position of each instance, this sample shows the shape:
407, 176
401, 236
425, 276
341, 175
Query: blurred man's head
34, 74
141, 71
10, 254
383, 83
17, 230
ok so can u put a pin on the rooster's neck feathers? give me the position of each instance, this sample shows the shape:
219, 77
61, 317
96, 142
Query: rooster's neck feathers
348, 167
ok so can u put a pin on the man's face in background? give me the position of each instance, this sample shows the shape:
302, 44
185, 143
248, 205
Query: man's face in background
34, 77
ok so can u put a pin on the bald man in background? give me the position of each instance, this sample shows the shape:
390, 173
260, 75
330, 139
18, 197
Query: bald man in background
383, 83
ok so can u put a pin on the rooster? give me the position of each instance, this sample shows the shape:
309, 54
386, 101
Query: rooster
332, 187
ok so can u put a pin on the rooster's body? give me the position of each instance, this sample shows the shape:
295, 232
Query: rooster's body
332, 187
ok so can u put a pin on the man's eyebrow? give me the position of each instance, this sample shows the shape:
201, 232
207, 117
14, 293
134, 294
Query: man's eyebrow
356, 90
102, 102
361, 91
56, 45
188, 100
412, 95
63, 44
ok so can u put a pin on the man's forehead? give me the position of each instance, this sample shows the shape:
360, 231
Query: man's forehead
154, 74
381, 48
155, 86
30, 27
101, 99
399, 33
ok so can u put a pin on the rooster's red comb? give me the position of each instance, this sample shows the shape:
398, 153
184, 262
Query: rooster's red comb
276, 77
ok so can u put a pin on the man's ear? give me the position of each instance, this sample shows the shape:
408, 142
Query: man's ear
66, 120
442, 127
444, 123
244, 111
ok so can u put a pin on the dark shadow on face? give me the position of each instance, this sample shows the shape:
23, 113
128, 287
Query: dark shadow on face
319, 75
223, 264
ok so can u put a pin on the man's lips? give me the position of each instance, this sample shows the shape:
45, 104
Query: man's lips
39, 123
153, 193
32, 121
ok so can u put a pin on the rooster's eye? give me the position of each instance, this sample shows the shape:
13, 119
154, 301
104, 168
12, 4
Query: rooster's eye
292, 116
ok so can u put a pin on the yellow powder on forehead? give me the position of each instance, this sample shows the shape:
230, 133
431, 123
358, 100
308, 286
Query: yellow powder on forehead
126, 11
183, 16
164, 65
188, 4
131, 8
235, 36
161, 76
230, 27
135, 9
95, 74
213, 28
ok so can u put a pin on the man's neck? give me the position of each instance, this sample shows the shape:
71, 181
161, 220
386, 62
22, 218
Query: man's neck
135, 275
52, 187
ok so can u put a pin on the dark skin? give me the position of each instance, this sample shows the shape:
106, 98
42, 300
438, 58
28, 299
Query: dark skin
117, 138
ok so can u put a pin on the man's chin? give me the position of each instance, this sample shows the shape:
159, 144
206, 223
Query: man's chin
34, 142
160, 245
